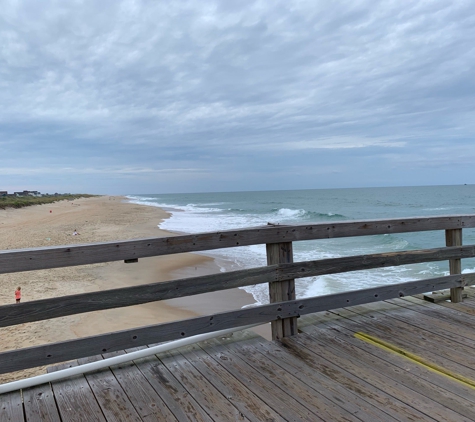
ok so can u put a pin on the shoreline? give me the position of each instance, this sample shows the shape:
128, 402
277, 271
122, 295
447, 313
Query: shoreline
99, 219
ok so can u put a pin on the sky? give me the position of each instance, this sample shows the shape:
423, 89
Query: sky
124, 97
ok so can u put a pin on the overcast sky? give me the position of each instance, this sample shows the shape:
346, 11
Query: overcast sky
191, 96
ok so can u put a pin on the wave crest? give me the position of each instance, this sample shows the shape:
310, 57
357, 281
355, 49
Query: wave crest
301, 214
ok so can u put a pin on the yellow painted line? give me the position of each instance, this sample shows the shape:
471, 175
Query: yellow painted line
415, 358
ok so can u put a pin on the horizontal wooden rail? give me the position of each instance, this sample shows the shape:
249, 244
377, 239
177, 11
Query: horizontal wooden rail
58, 352
129, 251
65, 256
127, 296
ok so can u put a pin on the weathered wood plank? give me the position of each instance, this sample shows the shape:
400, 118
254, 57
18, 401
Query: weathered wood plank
110, 396
469, 302
391, 332
438, 402
440, 296
448, 312
422, 390
454, 394
148, 404
428, 322
318, 390
467, 306
181, 404
436, 386
424, 331
352, 401
39, 404
210, 399
65, 256
402, 402
101, 300
72, 349
293, 385
460, 307
250, 405
455, 313
276, 398
74, 398
11, 407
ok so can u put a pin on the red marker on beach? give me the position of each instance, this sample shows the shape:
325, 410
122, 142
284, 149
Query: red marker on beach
50, 211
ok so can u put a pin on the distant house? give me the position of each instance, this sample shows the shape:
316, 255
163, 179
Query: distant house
3, 193
28, 193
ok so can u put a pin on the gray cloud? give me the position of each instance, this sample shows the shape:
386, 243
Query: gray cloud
237, 91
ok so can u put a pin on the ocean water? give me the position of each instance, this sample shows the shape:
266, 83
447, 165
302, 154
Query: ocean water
210, 212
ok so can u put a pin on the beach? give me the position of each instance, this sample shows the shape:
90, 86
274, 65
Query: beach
98, 219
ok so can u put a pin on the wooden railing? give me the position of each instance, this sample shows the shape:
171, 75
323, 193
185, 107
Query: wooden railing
280, 274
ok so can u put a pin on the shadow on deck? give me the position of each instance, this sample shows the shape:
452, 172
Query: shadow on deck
398, 360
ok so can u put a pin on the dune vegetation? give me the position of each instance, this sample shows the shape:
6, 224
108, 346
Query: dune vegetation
27, 200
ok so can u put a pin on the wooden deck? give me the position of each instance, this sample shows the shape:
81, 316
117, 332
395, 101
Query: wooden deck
393, 370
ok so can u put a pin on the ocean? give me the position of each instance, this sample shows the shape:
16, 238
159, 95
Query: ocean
211, 212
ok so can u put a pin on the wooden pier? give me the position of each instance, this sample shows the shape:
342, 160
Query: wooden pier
379, 354
341, 367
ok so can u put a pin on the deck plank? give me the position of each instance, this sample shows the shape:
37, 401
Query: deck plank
40, 405
250, 405
435, 387
453, 316
324, 373
431, 343
400, 397
430, 321
148, 404
393, 333
112, 399
353, 402
74, 398
286, 405
306, 389
11, 407
463, 306
210, 399
377, 388
177, 399
313, 393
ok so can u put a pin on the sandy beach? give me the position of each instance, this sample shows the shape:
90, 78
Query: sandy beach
98, 219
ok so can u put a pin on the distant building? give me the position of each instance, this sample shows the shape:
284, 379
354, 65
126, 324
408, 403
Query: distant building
27, 193
3, 193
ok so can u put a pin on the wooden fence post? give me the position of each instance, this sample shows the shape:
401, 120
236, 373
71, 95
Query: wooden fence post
453, 237
280, 291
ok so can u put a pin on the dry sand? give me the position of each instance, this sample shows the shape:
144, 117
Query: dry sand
98, 219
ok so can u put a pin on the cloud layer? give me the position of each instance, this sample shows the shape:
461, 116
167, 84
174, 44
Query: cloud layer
144, 96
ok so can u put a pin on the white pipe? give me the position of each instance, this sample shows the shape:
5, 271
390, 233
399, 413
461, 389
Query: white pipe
88, 367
